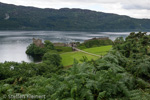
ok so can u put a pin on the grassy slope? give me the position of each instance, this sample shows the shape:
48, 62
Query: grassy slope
99, 50
68, 58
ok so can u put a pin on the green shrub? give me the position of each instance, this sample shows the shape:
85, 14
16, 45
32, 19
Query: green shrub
95, 43
37, 52
34, 50
52, 58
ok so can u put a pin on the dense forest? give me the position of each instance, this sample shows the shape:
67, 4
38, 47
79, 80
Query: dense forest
122, 74
29, 18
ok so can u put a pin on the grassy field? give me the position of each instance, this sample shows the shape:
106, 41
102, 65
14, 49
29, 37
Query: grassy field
99, 50
68, 57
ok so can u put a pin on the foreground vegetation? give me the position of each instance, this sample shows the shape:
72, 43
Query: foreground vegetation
122, 74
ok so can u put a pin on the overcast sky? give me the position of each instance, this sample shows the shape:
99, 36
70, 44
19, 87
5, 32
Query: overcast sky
132, 8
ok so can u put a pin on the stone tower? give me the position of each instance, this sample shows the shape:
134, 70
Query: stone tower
38, 42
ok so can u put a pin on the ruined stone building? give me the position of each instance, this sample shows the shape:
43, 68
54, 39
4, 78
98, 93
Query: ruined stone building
38, 42
60, 44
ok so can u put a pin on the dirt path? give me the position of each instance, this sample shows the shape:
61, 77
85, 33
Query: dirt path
86, 52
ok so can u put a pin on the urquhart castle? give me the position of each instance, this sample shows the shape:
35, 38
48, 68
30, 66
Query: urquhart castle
38, 42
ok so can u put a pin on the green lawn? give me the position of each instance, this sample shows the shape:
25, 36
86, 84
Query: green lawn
99, 50
68, 57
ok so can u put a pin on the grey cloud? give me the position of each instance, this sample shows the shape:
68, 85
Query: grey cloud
134, 6
126, 4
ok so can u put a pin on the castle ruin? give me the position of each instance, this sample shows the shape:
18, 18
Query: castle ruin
38, 42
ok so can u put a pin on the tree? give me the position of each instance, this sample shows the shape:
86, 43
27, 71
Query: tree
34, 50
52, 58
48, 45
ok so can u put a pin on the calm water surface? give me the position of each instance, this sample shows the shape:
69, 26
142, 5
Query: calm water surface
13, 44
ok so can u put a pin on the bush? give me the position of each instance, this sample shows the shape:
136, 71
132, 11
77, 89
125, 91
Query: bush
34, 50
95, 43
52, 58
48, 45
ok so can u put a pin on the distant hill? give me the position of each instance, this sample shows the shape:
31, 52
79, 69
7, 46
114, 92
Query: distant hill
29, 18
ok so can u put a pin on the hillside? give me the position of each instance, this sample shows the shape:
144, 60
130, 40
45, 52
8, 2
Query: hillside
29, 18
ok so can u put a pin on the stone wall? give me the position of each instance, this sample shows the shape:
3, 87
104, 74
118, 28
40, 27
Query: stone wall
71, 44
60, 44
